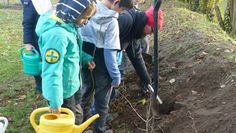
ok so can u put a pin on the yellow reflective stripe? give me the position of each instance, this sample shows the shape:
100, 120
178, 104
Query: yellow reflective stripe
54, 17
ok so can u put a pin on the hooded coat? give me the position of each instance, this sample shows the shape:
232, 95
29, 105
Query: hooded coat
102, 31
131, 24
61, 58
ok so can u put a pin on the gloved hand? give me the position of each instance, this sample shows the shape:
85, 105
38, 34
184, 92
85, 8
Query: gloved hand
144, 92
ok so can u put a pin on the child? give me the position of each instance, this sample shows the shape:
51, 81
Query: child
30, 39
31, 12
101, 40
61, 53
135, 25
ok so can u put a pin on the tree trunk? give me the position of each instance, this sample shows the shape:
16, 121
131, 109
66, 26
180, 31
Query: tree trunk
227, 17
203, 5
233, 17
218, 14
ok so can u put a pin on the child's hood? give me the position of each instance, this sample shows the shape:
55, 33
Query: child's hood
103, 12
46, 23
43, 24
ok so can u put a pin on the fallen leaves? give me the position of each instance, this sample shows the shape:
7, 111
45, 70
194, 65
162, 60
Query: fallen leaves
22, 97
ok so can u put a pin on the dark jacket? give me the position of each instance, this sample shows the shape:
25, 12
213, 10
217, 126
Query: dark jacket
131, 25
30, 18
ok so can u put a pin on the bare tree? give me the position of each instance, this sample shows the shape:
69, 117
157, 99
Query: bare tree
218, 14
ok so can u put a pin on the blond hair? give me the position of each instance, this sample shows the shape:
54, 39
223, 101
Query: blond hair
89, 11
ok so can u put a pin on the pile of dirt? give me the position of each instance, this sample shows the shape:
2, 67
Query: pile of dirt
197, 80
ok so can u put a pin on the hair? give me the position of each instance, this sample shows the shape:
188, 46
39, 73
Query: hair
126, 4
87, 12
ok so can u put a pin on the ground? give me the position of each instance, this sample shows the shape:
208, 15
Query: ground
197, 79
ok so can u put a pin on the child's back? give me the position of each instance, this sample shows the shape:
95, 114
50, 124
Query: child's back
101, 40
102, 29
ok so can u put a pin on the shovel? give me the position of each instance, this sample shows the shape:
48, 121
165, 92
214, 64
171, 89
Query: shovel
156, 6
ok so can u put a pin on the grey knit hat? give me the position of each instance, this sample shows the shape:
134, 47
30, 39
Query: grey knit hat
69, 10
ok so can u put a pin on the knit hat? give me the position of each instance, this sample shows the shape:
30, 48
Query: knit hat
150, 21
69, 10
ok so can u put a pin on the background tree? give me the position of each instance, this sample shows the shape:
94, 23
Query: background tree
214, 10
232, 12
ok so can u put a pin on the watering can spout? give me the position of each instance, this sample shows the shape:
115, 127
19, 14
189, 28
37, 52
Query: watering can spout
83, 126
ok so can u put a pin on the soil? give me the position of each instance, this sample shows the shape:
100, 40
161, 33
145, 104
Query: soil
197, 81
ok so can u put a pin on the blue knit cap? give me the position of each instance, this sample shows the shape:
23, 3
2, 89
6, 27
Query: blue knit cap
69, 10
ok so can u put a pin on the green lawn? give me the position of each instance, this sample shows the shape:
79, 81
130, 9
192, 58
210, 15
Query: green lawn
16, 89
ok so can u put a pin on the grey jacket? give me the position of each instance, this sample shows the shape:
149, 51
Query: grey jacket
102, 30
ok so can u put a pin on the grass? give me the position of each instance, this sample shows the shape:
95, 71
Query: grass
16, 90
10, 41
17, 93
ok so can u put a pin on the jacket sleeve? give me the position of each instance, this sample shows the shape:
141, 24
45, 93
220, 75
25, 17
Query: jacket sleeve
112, 66
111, 46
30, 18
52, 67
85, 58
135, 55
125, 21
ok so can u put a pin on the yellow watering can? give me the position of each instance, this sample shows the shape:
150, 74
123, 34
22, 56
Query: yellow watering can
58, 123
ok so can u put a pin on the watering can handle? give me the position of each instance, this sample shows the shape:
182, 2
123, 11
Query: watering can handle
23, 48
33, 115
21, 52
5, 124
46, 109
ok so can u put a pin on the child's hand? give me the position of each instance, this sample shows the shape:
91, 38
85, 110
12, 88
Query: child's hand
116, 82
91, 65
55, 110
29, 47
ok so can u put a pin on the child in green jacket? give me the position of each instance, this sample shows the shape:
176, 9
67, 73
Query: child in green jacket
62, 53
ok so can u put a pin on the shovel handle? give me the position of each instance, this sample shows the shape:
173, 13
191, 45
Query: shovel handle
157, 4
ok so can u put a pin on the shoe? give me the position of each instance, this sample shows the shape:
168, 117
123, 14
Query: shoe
112, 116
88, 131
109, 131
115, 94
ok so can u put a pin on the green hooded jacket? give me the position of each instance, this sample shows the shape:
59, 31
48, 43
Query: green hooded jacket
61, 58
